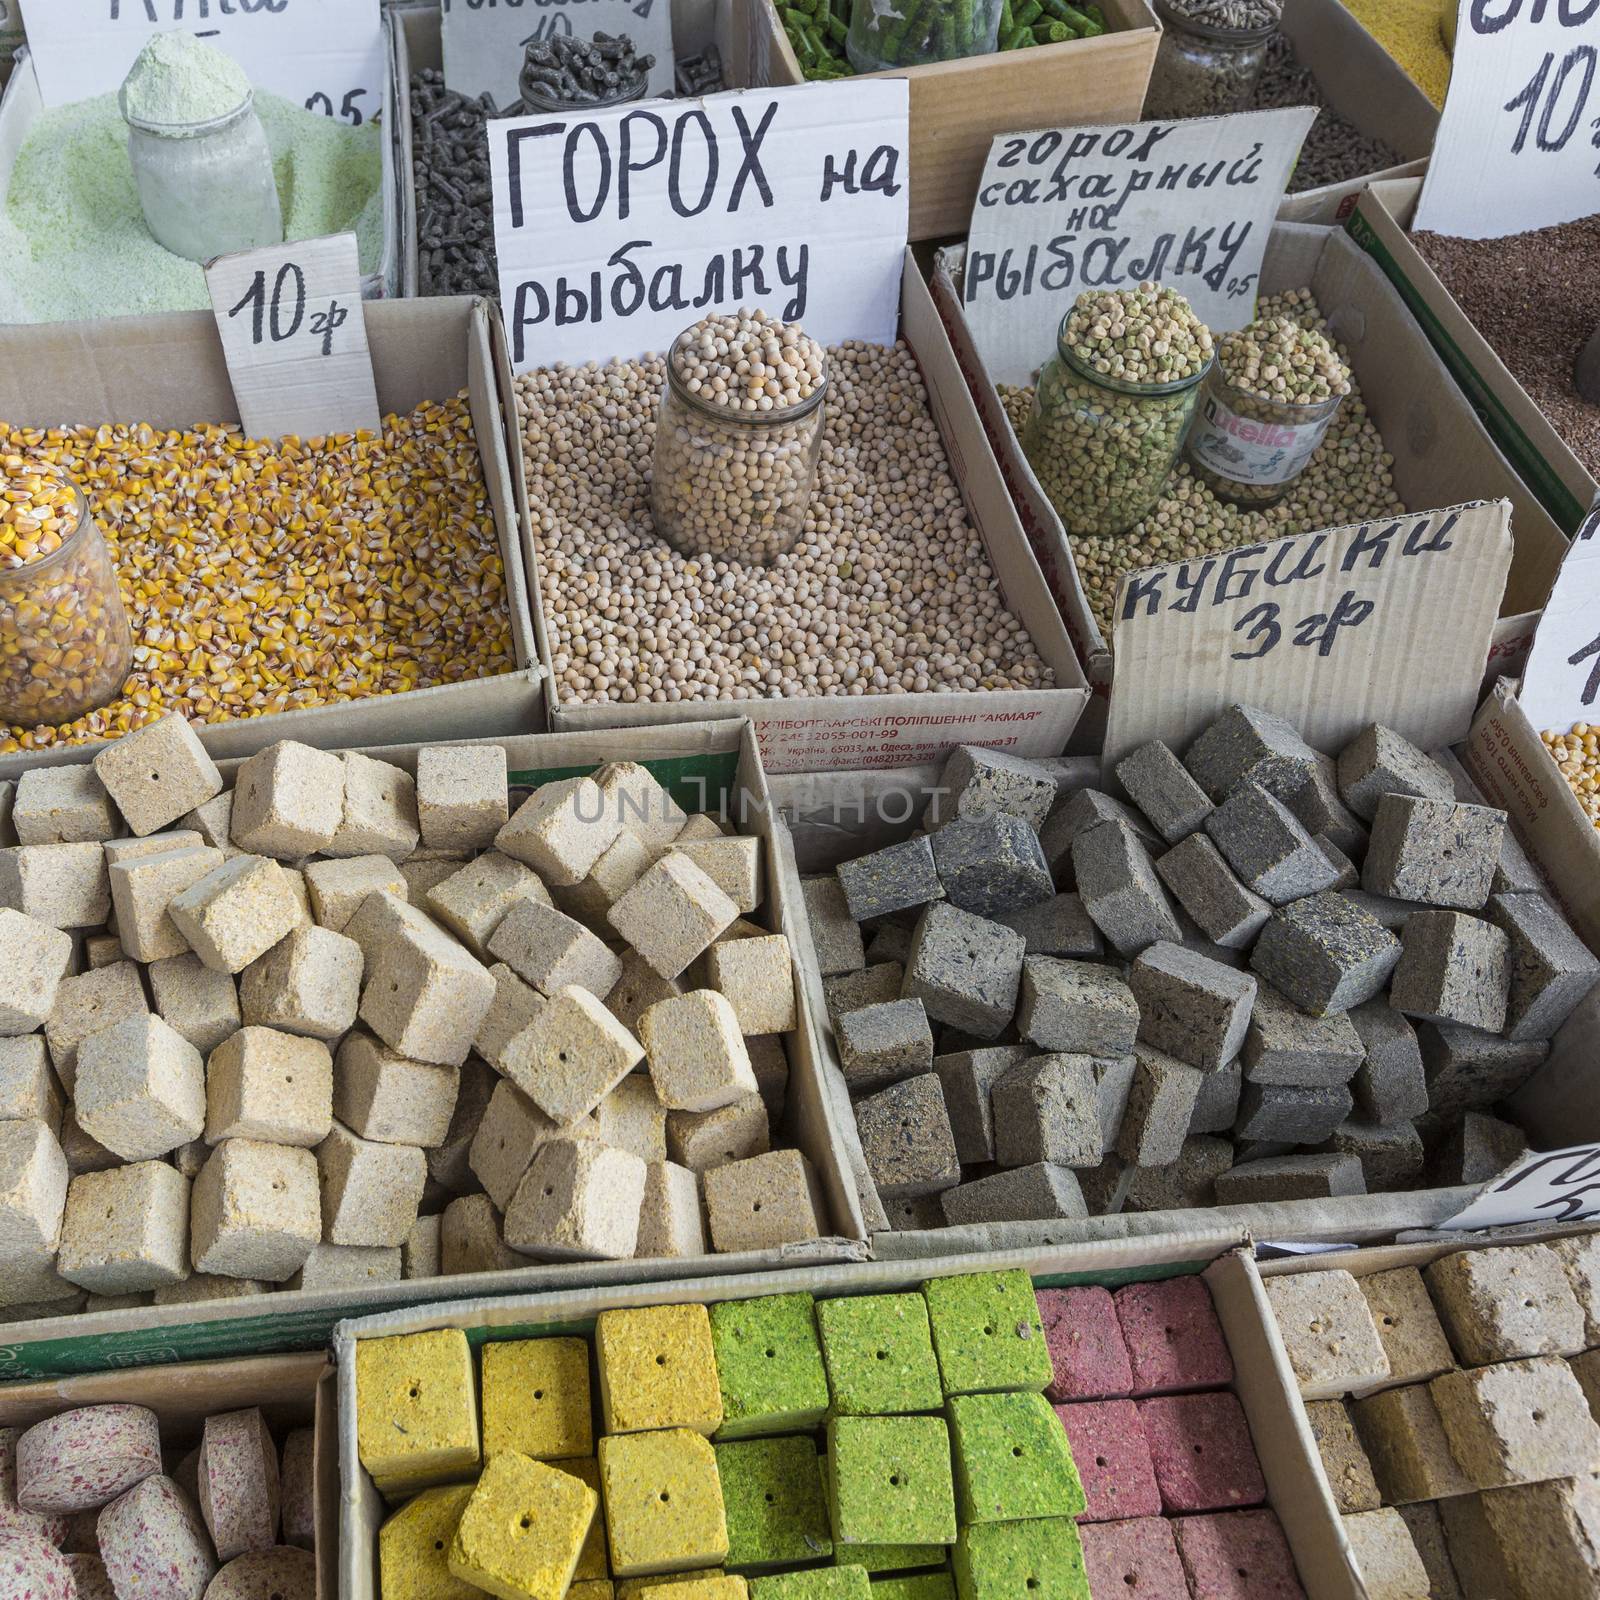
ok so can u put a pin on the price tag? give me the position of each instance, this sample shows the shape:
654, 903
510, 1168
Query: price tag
326, 55
1381, 622
1557, 1186
1062, 210
1519, 140
618, 229
1561, 683
295, 337
484, 40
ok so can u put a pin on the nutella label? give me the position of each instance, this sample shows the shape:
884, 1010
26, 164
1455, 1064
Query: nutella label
1248, 450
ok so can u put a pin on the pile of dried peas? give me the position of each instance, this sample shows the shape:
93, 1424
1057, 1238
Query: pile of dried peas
274, 575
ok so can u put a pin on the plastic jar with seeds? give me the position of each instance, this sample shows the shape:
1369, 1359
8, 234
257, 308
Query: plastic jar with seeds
910, 33
1266, 406
65, 648
738, 437
1112, 404
1210, 57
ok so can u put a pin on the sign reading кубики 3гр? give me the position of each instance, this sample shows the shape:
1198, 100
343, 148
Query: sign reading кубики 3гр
326, 55
617, 229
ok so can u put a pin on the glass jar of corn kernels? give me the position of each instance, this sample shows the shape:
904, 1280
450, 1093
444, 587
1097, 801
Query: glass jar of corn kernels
65, 648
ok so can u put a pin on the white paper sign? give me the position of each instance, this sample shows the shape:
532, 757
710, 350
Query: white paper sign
1519, 140
295, 337
1557, 1186
1561, 683
326, 55
1061, 210
618, 229
484, 40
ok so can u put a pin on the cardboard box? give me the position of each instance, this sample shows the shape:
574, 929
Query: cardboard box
957, 107
1262, 1379
21, 105
168, 371
295, 1391
1381, 224
706, 765
1442, 453
832, 733
1361, 81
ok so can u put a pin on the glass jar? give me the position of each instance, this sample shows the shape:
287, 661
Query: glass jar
1103, 449
65, 648
1248, 450
207, 188
910, 33
1202, 70
733, 485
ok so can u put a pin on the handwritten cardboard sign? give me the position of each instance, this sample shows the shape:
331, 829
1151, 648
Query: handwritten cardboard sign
617, 229
484, 40
1061, 210
1561, 683
295, 337
1381, 622
1556, 1186
326, 55
1519, 141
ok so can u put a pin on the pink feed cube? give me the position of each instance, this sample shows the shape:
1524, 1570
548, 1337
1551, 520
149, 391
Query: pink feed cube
1133, 1558
1174, 1341
1085, 1343
1113, 1459
1201, 1450
1237, 1555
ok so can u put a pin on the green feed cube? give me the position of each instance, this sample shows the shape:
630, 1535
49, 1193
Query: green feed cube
816, 1583
1021, 1561
774, 1498
769, 1365
890, 1557
987, 1332
915, 1586
889, 1480
1013, 1461
879, 1352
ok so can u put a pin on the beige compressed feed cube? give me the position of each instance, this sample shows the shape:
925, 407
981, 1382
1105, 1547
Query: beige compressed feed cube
288, 1063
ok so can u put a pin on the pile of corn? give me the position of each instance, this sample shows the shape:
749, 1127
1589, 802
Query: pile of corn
1410, 31
1577, 753
265, 575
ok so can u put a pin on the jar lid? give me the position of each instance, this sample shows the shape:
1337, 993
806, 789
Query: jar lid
184, 130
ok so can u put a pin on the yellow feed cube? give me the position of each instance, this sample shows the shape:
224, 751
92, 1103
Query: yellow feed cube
592, 1562
719, 1586
657, 1369
590, 1589
663, 1502
633, 1588
536, 1398
414, 1547
522, 1529
416, 1408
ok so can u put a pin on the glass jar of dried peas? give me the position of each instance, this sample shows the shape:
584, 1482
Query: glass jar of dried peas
65, 647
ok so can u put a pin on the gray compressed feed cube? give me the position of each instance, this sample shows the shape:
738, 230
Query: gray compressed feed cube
1391, 1156
1454, 969
1247, 744
977, 782
1058, 926
1047, 1109
1436, 852
1040, 1192
1284, 1045
850, 991
879, 1045
896, 878
967, 1077
991, 864
1299, 1177
1076, 1006
1552, 969
1322, 812
1263, 842
1113, 1083
1282, 1113
834, 932
1160, 1106
1187, 1184
1207, 888
1325, 953
1216, 1107
1475, 1147
906, 1140
1378, 761
1191, 1007
1121, 892
1163, 790
965, 969
1468, 1069
1389, 1085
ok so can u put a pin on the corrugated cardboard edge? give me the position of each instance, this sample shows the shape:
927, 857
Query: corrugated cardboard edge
173, 365
1363, 83
294, 1319
1379, 224
1045, 717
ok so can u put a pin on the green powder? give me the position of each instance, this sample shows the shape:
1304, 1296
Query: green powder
73, 240
179, 78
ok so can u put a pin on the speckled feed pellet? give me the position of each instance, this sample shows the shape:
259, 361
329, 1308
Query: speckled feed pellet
32, 1570
1012, 1458
657, 1369
663, 1502
890, 1480
86, 1457
53, 1527
238, 1478
773, 1497
281, 1573
417, 1406
988, 1333
769, 1365
536, 1398
414, 1547
91, 1581
1040, 1560
522, 1529
879, 1353
153, 1543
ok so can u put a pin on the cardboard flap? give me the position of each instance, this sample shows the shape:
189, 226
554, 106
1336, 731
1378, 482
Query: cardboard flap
1561, 682
1381, 622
